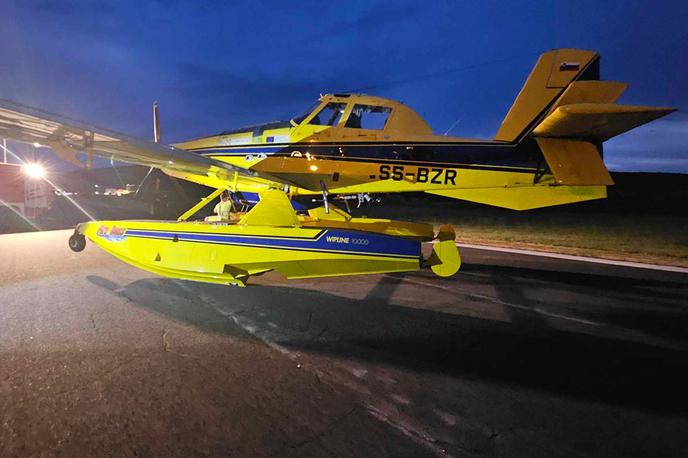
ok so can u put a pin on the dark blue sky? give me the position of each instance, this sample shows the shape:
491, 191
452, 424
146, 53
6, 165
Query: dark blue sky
218, 65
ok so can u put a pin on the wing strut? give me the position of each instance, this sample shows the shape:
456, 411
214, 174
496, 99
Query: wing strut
204, 201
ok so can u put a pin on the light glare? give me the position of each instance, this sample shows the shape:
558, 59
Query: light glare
33, 170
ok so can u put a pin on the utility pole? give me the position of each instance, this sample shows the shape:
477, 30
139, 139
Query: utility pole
4, 151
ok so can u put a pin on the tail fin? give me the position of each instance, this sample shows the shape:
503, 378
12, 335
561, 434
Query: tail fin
569, 112
564, 112
548, 80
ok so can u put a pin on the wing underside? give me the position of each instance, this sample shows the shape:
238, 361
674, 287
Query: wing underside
68, 138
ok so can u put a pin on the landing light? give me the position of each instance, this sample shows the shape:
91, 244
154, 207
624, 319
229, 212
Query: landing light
33, 170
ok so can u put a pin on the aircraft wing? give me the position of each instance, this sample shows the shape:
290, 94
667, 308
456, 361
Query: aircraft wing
68, 137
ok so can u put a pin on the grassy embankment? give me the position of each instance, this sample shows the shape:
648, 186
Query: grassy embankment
649, 238
644, 219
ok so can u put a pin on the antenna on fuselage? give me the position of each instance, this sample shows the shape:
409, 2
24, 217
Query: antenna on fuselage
156, 123
452, 126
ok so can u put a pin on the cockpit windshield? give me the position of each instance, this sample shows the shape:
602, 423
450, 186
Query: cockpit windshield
299, 119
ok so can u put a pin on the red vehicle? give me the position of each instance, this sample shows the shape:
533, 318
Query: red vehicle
12, 187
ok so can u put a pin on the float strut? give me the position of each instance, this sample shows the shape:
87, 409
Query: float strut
323, 188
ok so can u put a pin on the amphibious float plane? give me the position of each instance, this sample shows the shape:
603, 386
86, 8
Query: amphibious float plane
548, 151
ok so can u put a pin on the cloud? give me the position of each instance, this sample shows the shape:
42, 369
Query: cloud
377, 16
224, 98
68, 7
204, 82
661, 145
248, 88
657, 164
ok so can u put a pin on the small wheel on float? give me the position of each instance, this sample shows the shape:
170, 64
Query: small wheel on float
77, 242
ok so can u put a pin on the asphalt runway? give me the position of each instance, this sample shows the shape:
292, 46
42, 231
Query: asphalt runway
515, 356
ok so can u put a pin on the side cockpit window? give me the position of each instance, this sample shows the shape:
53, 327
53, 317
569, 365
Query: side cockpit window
368, 117
299, 119
329, 115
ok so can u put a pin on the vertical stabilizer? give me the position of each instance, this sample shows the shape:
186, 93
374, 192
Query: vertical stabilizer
550, 77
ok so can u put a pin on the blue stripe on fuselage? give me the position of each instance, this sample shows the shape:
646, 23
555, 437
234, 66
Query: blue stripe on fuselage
239, 150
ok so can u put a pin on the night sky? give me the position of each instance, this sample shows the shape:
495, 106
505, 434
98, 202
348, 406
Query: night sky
219, 65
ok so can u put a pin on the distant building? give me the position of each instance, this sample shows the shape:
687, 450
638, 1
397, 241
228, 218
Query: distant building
12, 182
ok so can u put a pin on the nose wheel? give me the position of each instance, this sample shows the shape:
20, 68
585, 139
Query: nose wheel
77, 242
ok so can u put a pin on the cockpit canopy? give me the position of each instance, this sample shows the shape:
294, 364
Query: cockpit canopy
358, 111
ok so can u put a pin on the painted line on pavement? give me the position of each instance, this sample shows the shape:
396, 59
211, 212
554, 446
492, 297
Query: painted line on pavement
544, 254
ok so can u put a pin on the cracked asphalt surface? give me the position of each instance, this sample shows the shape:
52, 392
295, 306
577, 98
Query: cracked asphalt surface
515, 356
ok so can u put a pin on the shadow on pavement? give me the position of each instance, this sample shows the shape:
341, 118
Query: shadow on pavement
651, 306
524, 351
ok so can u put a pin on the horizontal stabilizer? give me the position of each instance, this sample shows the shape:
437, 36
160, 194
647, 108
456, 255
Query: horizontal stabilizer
590, 92
596, 121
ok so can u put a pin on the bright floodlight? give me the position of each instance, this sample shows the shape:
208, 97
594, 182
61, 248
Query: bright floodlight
34, 170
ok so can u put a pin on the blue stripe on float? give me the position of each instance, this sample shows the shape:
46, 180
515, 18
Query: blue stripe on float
332, 241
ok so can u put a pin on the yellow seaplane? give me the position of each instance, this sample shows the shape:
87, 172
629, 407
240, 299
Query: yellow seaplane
547, 151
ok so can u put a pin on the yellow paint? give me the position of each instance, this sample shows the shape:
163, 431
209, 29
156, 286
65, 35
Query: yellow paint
204, 201
526, 198
273, 209
173, 248
575, 162
590, 92
598, 121
445, 259
544, 84
338, 218
228, 264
